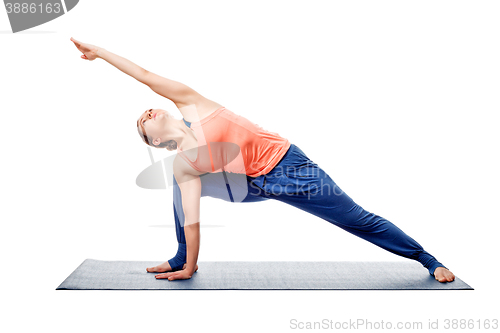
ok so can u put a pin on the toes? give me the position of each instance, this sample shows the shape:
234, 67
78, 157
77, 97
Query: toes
156, 269
447, 278
441, 278
165, 267
444, 275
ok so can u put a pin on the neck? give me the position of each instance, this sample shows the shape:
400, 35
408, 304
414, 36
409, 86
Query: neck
183, 135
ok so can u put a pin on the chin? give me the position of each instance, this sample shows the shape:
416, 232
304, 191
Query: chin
166, 114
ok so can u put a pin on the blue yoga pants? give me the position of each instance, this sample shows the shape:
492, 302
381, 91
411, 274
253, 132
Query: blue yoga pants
299, 182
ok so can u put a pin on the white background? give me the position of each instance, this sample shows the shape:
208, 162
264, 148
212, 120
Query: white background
396, 100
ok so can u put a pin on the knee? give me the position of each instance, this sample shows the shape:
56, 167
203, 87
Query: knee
358, 217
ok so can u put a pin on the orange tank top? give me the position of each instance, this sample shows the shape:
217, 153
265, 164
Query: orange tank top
229, 142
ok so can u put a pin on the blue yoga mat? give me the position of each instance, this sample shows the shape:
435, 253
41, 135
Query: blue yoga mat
254, 275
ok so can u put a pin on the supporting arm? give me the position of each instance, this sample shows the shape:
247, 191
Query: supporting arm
190, 186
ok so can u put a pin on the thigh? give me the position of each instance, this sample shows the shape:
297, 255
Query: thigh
227, 186
300, 182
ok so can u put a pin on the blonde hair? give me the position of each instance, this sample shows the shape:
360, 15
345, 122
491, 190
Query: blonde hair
170, 145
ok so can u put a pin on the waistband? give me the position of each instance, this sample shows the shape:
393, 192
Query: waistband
261, 180
292, 147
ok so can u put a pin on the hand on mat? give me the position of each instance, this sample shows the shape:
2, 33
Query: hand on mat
89, 51
178, 275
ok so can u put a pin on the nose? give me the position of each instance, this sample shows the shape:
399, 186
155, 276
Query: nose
148, 113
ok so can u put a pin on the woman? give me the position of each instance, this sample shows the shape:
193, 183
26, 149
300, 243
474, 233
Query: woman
214, 144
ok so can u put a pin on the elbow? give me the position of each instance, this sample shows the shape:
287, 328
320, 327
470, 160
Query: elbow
142, 76
192, 225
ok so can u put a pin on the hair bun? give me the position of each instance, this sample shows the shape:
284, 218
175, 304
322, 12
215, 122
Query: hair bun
171, 145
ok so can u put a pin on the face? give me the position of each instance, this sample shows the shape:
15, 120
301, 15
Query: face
154, 123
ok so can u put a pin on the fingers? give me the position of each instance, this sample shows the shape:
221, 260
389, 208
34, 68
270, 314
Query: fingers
75, 41
170, 276
177, 275
163, 276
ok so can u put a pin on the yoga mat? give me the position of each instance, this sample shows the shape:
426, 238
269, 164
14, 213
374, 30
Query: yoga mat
260, 275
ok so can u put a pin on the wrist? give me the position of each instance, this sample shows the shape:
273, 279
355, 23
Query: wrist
189, 269
100, 52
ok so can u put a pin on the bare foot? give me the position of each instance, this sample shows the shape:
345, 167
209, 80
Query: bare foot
165, 267
443, 275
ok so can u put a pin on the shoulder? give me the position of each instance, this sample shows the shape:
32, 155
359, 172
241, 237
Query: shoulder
199, 108
183, 169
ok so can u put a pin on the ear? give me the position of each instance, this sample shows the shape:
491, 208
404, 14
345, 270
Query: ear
156, 141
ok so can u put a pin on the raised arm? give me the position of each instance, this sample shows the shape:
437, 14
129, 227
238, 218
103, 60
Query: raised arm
177, 92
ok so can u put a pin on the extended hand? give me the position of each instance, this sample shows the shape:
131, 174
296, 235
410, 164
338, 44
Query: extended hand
89, 51
177, 275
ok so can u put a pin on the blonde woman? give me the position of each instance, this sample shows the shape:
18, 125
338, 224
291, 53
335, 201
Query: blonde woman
213, 143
